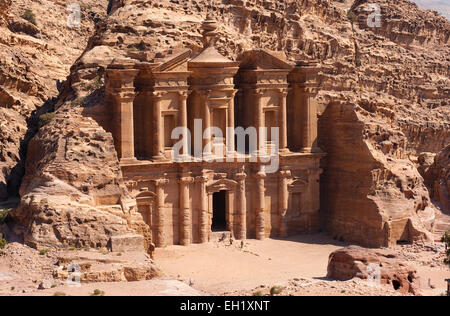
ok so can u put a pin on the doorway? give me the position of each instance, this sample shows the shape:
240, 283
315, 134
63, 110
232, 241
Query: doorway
219, 220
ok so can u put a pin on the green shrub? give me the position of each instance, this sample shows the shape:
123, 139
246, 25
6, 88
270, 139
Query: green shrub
43, 252
3, 216
59, 294
98, 292
46, 118
446, 240
276, 290
352, 17
95, 84
2, 242
258, 293
29, 16
78, 102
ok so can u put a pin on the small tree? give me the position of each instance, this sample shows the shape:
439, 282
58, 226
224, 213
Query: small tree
353, 18
2, 242
46, 118
446, 240
3, 216
29, 16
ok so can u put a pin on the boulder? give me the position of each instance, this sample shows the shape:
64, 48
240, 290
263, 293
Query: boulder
125, 243
92, 266
373, 265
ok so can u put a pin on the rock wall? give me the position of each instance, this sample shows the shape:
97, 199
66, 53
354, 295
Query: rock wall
437, 178
13, 129
34, 60
368, 197
73, 193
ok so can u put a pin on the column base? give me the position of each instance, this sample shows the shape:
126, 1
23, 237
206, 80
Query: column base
283, 232
128, 160
183, 158
285, 151
231, 155
208, 157
260, 237
159, 158
313, 150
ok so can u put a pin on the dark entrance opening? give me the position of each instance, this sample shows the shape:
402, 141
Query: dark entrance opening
396, 284
219, 220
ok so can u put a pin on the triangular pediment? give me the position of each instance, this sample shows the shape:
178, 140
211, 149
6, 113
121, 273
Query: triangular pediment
263, 60
175, 62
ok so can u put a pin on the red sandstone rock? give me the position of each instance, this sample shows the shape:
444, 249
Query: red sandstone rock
356, 262
73, 193
438, 179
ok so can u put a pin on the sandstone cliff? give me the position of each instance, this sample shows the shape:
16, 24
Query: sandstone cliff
437, 178
384, 96
34, 59
73, 193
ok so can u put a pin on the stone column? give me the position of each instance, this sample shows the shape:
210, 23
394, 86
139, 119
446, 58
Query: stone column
204, 217
242, 206
260, 205
230, 138
185, 209
160, 240
260, 117
120, 87
183, 121
158, 150
283, 201
305, 79
309, 114
283, 120
207, 119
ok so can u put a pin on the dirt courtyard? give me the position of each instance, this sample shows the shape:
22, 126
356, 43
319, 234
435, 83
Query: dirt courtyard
297, 265
217, 268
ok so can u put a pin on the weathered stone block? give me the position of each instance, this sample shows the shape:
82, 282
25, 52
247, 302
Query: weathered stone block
127, 243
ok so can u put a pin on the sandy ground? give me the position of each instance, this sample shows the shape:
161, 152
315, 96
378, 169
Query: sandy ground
219, 269
157, 287
298, 265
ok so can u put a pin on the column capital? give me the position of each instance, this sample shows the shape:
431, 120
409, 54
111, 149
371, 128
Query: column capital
125, 94
261, 175
233, 93
204, 93
186, 178
285, 174
201, 179
184, 94
259, 91
159, 94
283, 91
161, 182
309, 89
240, 176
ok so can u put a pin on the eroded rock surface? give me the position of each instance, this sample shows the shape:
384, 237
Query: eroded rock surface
97, 267
382, 266
73, 193
34, 60
438, 179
